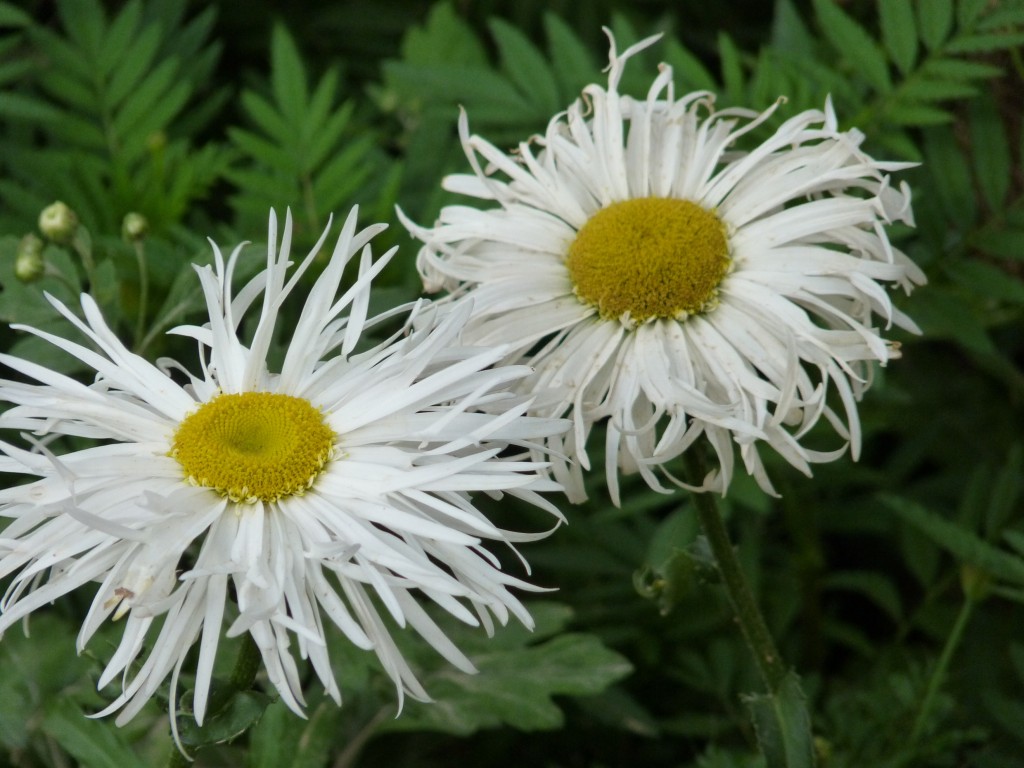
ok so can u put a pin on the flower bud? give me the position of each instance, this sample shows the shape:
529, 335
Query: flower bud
29, 264
976, 583
135, 227
58, 223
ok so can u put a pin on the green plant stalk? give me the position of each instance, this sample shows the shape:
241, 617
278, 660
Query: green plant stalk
939, 675
140, 322
748, 615
247, 665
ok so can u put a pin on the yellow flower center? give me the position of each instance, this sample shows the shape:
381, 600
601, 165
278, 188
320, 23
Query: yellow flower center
649, 257
254, 446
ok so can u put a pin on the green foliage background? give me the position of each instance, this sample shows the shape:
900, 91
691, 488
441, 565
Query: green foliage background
893, 586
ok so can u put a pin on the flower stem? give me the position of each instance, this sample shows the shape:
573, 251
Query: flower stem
751, 622
939, 675
246, 665
140, 321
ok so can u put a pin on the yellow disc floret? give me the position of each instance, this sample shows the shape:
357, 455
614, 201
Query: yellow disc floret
649, 257
254, 446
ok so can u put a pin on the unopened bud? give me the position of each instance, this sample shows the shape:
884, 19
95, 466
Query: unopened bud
975, 582
135, 227
58, 223
29, 264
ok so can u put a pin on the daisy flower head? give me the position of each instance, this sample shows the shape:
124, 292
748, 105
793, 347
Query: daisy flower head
657, 276
237, 499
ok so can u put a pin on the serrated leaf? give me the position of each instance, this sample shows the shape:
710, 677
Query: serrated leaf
992, 160
1002, 16
989, 282
526, 67
1005, 243
515, 686
689, 70
94, 743
935, 20
969, 10
287, 75
115, 49
899, 32
917, 114
959, 69
141, 52
924, 89
574, 67
963, 544
16, 106
985, 43
853, 43
783, 726
732, 69
943, 313
790, 35
443, 39
952, 182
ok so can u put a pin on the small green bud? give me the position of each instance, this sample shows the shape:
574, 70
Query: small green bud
58, 223
975, 582
29, 264
156, 142
135, 227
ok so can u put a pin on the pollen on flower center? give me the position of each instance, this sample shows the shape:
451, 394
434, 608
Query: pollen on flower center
649, 257
254, 446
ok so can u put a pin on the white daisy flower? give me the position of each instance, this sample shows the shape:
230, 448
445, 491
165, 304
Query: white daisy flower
656, 276
329, 492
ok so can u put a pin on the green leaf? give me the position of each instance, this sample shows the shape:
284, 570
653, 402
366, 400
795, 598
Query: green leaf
689, 70
985, 43
935, 20
443, 39
790, 35
732, 69
959, 69
13, 17
951, 178
922, 89
899, 33
282, 740
853, 43
94, 743
783, 726
993, 162
287, 76
943, 313
514, 687
917, 114
526, 67
241, 711
989, 282
963, 544
571, 60
1005, 243
874, 586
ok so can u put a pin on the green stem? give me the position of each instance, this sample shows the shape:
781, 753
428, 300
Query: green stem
176, 759
939, 675
140, 322
247, 665
355, 745
751, 622
81, 244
